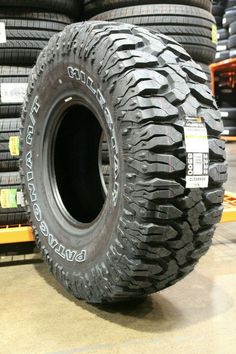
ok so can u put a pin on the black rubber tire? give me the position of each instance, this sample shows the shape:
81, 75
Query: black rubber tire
141, 87
218, 20
27, 34
9, 134
15, 214
229, 120
232, 53
231, 114
222, 34
12, 75
222, 45
69, 7
206, 70
9, 128
232, 41
225, 54
231, 3
218, 10
232, 28
93, 7
229, 17
188, 25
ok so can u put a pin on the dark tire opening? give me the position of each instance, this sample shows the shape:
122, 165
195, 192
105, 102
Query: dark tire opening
76, 164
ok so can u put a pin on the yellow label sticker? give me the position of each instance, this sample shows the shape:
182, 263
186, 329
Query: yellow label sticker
8, 198
14, 145
214, 34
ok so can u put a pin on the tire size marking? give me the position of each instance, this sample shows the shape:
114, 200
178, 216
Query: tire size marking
59, 248
79, 75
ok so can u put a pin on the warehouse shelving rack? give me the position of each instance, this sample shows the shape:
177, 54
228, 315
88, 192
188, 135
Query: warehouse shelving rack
228, 65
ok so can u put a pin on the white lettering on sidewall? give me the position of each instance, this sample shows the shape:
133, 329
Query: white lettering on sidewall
59, 248
79, 75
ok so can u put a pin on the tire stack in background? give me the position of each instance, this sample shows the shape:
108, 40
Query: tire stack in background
225, 16
188, 22
25, 28
225, 81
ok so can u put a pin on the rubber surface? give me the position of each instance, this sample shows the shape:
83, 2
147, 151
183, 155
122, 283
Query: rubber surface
190, 26
232, 28
223, 55
157, 229
229, 16
93, 7
222, 45
232, 41
206, 70
14, 214
12, 75
27, 34
231, 3
69, 7
222, 34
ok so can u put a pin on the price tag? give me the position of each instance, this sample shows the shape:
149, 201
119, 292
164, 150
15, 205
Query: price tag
214, 34
8, 198
197, 148
3, 38
14, 145
13, 92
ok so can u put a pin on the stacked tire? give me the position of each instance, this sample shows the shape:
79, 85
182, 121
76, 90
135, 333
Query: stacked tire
190, 23
225, 15
25, 29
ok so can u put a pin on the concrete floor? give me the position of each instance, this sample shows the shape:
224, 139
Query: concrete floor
197, 315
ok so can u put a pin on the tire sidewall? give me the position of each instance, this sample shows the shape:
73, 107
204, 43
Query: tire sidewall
67, 243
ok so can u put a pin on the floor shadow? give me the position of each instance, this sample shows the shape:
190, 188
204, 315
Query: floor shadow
195, 299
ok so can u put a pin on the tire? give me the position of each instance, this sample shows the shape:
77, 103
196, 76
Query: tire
192, 27
69, 7
27, 34
93, 7
228, 114
222, 45
13, 83
9, 144
231, 3
225, 54
232, 53
229, 120
232, 41
206, 70
11, 193
218, 10
232, 28
9, 128
222, 34
218, 20
229, 17
149, 231
226, 97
